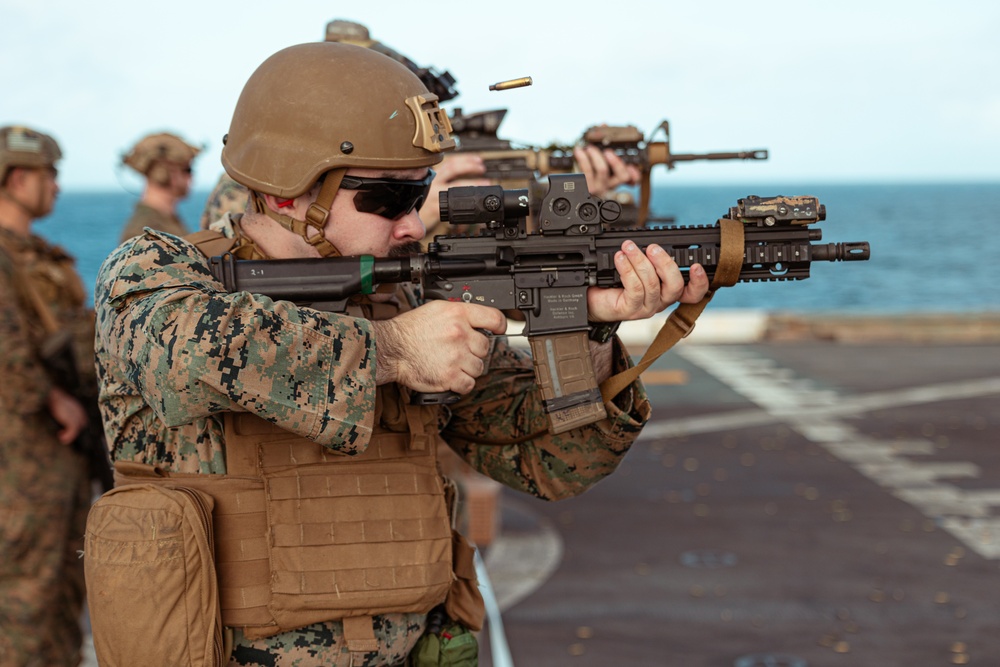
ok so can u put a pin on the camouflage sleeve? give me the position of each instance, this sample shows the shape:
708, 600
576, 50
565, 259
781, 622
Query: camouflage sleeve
501, 430
25, 385
190, 349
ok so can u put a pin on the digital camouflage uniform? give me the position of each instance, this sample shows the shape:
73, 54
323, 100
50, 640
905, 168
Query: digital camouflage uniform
175, 351
147, 216
44, 485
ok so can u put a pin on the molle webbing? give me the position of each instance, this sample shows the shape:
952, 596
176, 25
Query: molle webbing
305, 535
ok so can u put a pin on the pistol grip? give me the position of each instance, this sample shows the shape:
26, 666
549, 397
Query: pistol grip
445, 397
434, 398
565, 375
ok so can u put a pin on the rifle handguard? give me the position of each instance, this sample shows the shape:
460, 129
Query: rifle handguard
681, 320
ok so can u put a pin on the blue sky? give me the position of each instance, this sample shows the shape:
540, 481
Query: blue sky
844, 92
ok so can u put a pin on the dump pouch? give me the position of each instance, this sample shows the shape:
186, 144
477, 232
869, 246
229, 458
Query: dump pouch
151, 581
464, 602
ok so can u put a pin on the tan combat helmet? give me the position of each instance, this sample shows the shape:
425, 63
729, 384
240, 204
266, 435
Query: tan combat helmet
153, 152
231, 197
313, 111
24, 147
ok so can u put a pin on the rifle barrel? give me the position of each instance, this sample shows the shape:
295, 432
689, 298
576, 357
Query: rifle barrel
857, 251
759, 154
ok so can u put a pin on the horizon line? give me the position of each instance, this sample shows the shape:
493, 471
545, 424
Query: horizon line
116, 189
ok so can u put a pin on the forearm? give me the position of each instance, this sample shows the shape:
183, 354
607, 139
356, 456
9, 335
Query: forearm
195, 354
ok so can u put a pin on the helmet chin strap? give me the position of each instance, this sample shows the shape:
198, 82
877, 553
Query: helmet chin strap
316, 216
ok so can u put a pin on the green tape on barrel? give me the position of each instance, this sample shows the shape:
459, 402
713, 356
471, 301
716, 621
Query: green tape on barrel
367, 266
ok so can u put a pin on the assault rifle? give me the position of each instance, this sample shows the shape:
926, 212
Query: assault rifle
518, 167
545, 274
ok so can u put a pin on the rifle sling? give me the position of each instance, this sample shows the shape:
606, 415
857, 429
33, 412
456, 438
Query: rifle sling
681, 320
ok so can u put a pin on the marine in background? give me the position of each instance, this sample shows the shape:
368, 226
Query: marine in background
165, 161
44, 484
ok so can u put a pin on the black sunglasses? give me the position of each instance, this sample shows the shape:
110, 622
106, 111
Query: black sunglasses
388, 197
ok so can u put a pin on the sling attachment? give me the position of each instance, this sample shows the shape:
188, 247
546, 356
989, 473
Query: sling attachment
420, 439
682, 319
210, 243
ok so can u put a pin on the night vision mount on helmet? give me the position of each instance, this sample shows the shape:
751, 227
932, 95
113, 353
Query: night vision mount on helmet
441, 84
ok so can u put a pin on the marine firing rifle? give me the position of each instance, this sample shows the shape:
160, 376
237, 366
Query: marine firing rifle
518, 167
545, 274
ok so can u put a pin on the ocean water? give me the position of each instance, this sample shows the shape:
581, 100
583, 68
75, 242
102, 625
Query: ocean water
934, 247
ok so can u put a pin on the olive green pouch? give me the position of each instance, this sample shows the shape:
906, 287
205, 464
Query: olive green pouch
445, 643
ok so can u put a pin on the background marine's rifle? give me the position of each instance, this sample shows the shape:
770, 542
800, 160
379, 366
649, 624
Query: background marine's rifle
60, 363
545, 275
518, 167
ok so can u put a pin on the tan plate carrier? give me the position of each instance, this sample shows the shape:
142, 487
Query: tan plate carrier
305, 535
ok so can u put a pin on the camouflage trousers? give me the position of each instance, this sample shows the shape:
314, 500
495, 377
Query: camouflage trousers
44, 499
323, 644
